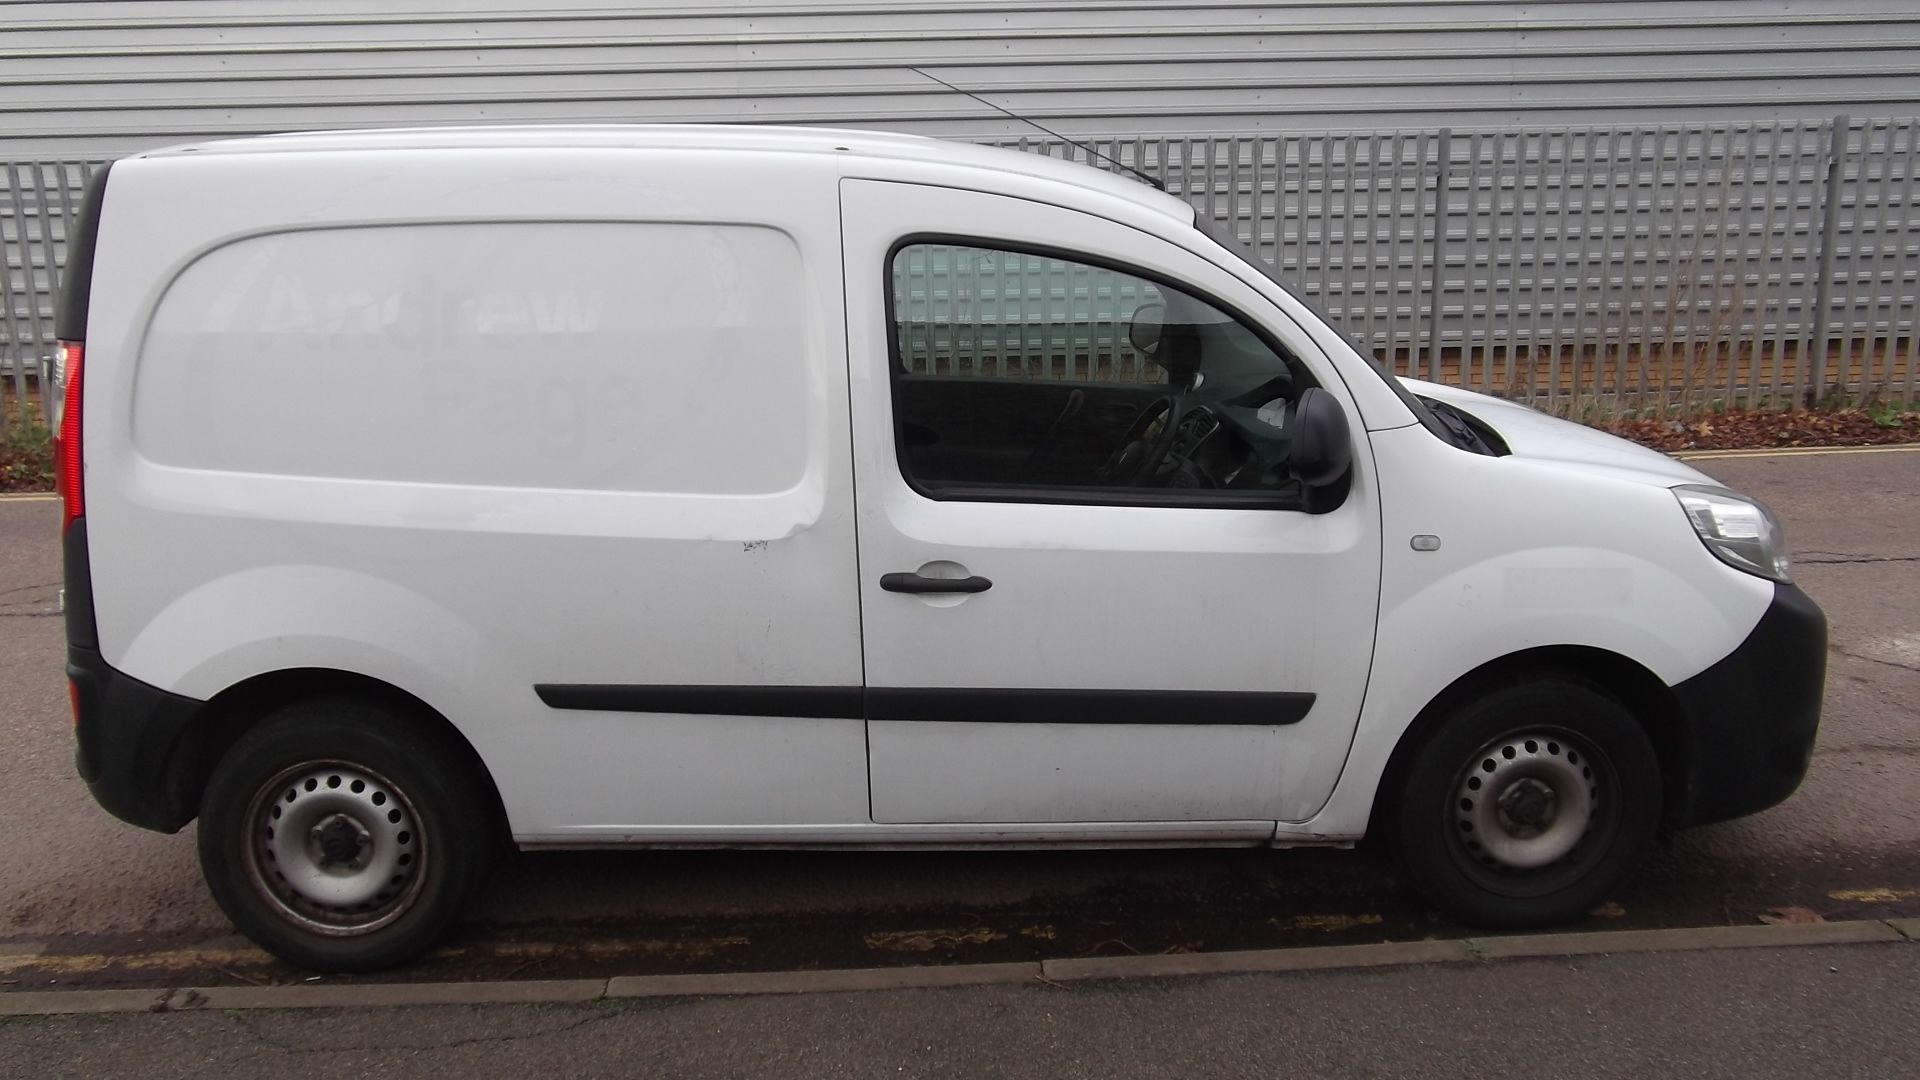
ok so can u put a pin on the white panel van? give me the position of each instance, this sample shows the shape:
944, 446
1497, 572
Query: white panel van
708, 486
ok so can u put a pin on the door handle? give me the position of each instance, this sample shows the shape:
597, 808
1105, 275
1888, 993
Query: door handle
914, 583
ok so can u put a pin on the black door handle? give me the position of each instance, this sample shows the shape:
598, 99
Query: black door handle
914, 583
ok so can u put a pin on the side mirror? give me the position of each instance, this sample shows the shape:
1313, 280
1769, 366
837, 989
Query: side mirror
1146, 326
1322, 449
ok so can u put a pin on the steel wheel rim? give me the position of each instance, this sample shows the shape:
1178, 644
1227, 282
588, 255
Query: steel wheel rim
335, 848
1532, 810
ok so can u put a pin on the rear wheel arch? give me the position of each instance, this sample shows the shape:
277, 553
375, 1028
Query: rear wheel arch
232, 712
1649, 699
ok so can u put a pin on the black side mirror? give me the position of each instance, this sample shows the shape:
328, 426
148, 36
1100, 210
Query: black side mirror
1322, 449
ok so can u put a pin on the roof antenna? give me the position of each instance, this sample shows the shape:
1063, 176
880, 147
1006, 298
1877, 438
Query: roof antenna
1153, 181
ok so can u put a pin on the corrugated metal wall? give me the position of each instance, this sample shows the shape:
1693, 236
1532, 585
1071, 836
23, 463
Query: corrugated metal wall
87, 79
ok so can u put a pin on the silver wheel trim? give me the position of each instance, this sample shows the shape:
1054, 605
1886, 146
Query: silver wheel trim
1527, 800
286, 849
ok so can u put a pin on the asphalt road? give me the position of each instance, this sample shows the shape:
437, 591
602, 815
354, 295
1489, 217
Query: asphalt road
128, 907
1752, 1014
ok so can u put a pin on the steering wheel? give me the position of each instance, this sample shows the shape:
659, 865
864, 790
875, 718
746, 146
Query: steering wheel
1144, 448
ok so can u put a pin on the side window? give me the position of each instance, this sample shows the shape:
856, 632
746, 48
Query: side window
1029, 376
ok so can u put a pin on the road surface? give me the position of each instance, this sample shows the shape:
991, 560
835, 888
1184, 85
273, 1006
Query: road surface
1751, 1014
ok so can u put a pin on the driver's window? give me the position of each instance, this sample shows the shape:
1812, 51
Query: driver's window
1019, 374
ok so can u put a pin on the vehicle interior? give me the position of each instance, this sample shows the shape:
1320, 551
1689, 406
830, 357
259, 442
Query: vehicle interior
1169, 393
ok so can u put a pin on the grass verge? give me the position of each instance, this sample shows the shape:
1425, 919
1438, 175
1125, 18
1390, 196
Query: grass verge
26, 457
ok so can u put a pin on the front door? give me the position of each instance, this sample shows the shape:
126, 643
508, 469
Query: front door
1090, 591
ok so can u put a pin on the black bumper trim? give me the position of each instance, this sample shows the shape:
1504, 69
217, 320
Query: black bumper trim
77, 573
1199, 708
131, 741
830, 702
1000, 706
1752, 717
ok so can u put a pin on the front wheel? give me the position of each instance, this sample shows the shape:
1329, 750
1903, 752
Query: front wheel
339, 837
1527, 807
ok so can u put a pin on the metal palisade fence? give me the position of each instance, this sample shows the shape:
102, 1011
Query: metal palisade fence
1654, 270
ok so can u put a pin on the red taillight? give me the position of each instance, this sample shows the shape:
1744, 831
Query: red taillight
68, 477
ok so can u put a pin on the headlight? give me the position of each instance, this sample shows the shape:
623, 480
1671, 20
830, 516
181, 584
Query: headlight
1744, 534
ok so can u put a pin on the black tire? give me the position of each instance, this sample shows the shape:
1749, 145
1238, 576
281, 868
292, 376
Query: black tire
1537, 750
339, 769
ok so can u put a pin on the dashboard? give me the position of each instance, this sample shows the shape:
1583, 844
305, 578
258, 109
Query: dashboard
1221, 445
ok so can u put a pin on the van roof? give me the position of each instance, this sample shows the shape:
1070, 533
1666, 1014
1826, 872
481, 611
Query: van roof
882, 145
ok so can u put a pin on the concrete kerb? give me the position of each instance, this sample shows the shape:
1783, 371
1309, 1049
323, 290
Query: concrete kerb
807, 982
1258, 961
1859, 932
1057, 973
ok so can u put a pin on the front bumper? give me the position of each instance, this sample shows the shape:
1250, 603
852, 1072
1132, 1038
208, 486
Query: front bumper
1752, 717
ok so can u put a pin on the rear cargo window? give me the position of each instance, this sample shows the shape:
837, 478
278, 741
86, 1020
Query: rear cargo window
631, 357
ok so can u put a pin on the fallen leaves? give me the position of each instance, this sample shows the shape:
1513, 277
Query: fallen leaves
929, 940
1874, 896
1762, 429
1791, 916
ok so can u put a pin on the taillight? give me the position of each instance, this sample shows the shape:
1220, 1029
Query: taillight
68, 477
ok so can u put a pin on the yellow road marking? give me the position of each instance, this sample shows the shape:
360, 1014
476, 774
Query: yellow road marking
87, 963
1796, 451
1331, 924
555, 950
1874, 896
28, 496
199, 959
929, 940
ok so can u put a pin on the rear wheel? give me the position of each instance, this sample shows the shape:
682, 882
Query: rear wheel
340, 837
1527, 807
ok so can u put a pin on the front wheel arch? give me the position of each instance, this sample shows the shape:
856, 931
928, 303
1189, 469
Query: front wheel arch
1651, 701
